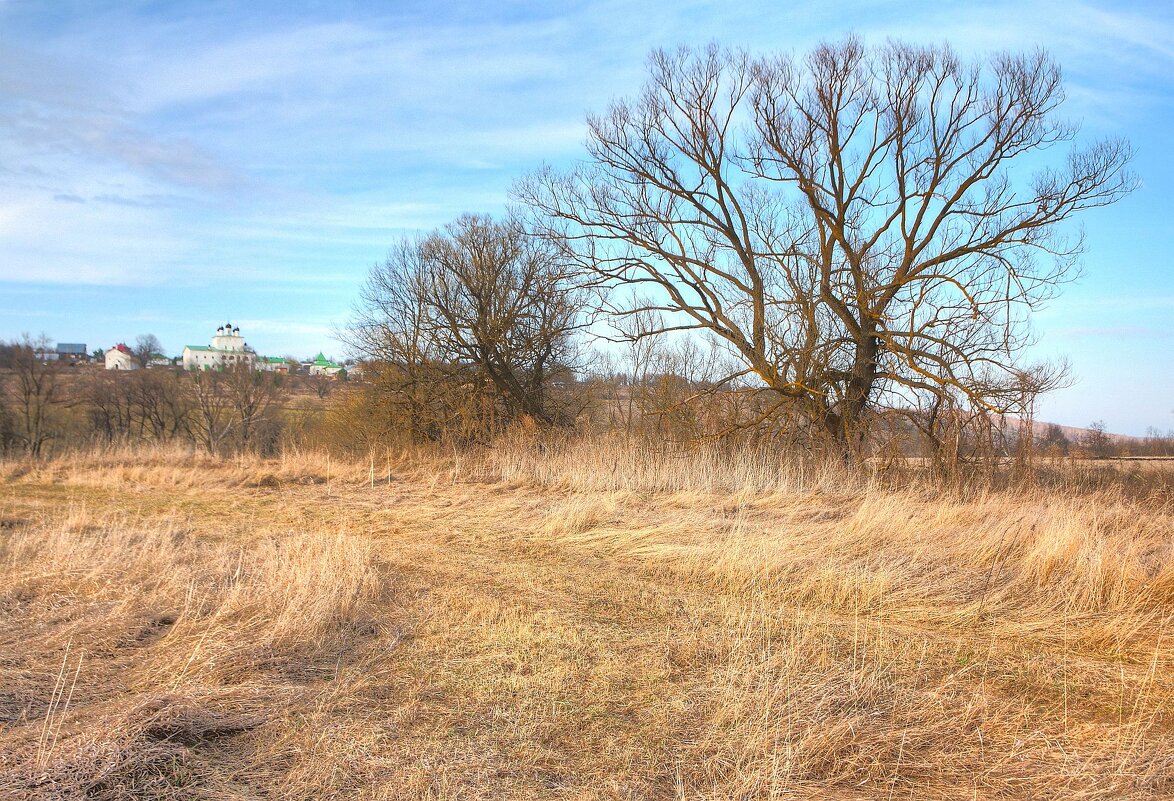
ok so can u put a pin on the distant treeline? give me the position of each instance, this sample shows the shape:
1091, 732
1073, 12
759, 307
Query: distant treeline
663, 396
50, 405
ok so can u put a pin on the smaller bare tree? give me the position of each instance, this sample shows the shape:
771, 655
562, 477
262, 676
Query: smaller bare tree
1054, 442
253, 397
480, 304
108, 406
146, 346
1096, 442
32, 392
212, 419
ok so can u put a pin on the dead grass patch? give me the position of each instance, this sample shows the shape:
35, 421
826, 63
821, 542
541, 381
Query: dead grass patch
184, 627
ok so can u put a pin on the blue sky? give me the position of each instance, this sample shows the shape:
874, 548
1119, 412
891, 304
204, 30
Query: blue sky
167, 166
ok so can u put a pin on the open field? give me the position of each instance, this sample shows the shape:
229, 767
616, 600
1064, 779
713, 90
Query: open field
533, 625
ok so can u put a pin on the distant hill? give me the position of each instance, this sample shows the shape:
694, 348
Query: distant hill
1073, 433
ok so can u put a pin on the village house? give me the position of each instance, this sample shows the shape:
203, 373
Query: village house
120, 357
323, 366
72, 352
272, 364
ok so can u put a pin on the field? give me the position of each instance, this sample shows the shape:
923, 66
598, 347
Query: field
574, 624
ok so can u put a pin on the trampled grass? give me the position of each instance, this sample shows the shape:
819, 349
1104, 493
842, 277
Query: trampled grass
577, 622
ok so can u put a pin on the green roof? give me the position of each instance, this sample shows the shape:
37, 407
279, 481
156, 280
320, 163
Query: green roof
321, 361
209, 348
274, 359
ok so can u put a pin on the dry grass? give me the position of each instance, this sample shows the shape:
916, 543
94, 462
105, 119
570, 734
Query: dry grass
573, 622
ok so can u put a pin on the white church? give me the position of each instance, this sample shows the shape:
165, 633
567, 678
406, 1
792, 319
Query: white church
228, 349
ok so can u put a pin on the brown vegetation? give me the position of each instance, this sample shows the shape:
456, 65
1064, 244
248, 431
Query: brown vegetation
573, 621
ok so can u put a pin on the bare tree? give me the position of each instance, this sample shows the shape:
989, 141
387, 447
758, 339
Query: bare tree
641, 332
150, 405
1096, 442
501, 300
146, 346
32, 392
109, 405
477, 303
413, 380
1054, 441
850, 224
158, 403
253, 396
8, 437
212, 419
321, 384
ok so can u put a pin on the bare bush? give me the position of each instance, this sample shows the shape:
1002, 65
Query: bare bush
31, 392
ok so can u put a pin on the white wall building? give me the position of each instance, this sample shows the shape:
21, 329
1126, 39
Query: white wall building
119, 357
228, 349
323, 366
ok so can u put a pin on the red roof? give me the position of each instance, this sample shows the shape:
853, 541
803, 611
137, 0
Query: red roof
123, 348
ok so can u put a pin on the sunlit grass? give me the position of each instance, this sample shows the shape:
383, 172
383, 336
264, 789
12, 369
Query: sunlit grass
583, 622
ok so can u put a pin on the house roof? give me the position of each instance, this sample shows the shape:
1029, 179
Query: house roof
321, 361
210, 349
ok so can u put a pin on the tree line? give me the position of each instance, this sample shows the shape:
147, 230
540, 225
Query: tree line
43, 404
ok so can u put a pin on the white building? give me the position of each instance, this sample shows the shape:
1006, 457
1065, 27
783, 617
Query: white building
228, 349
120, 357
323, 366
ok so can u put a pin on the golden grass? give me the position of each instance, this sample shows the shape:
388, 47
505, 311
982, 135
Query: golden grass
573, 621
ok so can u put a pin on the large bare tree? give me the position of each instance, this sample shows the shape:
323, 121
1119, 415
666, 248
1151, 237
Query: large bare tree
862, 227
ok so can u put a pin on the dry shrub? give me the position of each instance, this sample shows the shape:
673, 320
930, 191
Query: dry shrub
143, 753
615, 463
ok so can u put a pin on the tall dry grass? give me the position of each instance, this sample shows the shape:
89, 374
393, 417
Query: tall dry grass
169, 640
1041, 561
574, 620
